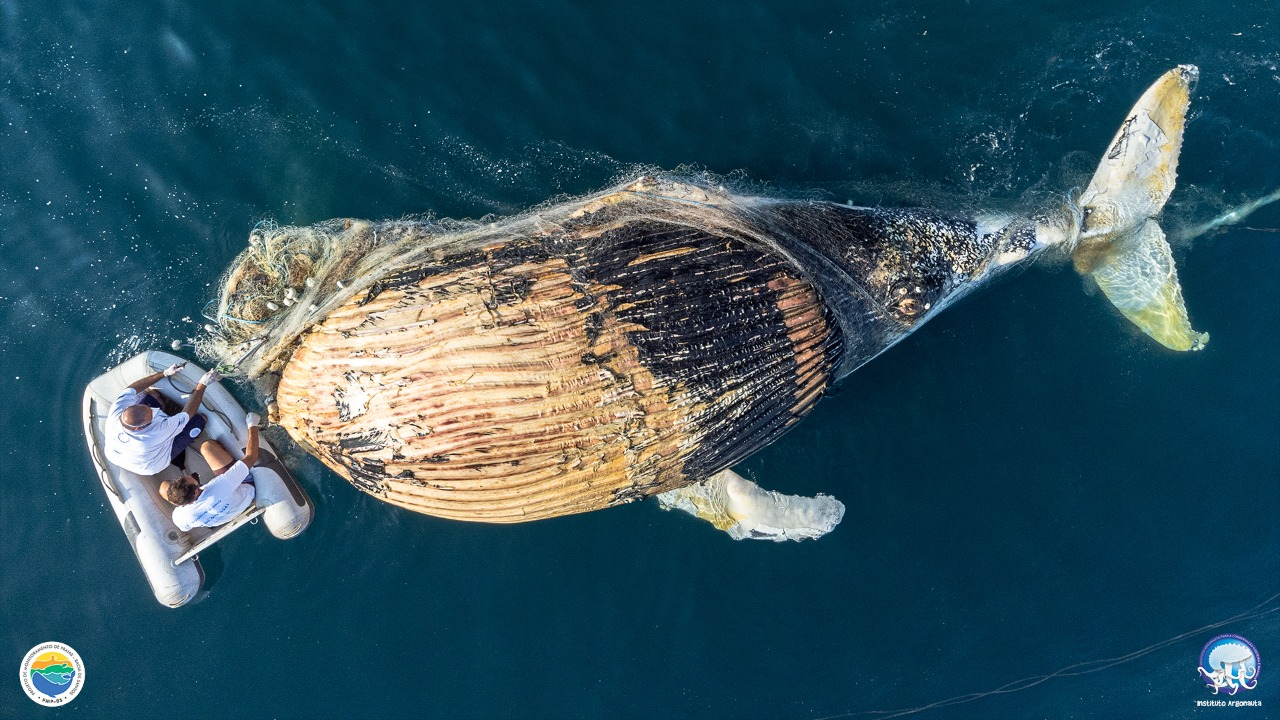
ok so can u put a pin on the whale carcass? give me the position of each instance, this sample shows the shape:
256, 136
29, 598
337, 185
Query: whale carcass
643, 340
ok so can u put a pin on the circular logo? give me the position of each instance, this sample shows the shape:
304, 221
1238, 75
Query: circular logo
1230, 663
52, 673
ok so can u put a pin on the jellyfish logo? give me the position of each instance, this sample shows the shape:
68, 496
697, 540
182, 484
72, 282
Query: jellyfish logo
52, 673
1230, 663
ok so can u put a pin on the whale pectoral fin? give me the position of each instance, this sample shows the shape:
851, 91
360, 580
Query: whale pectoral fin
746, 511
1139, 278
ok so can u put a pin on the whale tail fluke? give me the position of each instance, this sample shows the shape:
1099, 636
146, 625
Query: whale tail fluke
1119, 242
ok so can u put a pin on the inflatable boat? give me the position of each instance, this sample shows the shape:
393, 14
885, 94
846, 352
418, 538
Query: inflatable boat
170, 557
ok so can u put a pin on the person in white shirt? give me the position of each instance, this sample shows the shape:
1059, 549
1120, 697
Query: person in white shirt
141, 436
226, 495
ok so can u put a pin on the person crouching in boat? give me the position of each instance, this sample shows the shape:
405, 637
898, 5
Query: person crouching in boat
226, 495
141, 435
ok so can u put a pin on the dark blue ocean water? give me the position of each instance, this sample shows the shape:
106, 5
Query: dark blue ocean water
1031, 484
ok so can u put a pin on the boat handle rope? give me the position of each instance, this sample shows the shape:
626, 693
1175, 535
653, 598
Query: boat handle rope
104, 477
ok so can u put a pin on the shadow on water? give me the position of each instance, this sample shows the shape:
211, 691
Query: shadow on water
211, 563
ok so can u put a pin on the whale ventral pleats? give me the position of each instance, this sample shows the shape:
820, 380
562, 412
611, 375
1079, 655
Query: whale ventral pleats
612, 355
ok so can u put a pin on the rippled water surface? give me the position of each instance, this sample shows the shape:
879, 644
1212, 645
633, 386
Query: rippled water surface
1030, 483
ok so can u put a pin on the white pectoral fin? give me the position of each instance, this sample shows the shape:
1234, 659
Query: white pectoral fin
745, 511
1140, 279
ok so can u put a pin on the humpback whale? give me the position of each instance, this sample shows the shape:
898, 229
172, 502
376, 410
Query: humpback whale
643, 340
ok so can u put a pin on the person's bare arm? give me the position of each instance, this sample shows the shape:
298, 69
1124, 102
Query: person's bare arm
154, 378
251, 448
197, 395
147, 381
193, 402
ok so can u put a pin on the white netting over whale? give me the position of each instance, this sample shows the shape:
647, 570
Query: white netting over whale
290, 277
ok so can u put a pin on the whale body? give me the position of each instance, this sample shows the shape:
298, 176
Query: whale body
643, 340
